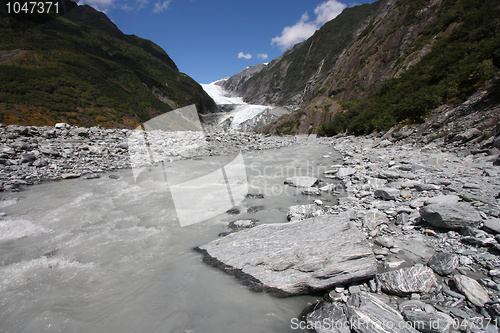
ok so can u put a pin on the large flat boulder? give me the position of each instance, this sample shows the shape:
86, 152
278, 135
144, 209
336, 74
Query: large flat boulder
295, 258
456, 216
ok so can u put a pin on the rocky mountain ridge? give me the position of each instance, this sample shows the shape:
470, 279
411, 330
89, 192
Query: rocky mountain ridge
371, 49
79, 68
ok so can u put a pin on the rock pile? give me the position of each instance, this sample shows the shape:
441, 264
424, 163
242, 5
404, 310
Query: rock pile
29, 155
430, 217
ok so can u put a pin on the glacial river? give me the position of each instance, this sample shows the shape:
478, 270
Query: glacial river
109, 255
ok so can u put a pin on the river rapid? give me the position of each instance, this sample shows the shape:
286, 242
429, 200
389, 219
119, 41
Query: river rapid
109, 255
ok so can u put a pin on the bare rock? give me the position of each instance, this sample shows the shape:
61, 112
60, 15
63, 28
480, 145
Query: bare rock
374, 218
416, 279
344, 172
436, 322
472, 290
455, 216
302, 212
70, 175
493, 225
301, 181
295, 258
368, 314
386, 193
443, 263
327, 317
443, 200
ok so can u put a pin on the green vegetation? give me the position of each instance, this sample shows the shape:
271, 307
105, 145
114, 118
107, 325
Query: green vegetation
288, 127
89, 75
456, 67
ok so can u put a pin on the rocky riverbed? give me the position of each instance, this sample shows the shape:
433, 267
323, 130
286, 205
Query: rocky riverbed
428, 258
29, 155
402, 236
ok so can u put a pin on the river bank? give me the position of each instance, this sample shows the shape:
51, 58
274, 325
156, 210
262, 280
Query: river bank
425, 207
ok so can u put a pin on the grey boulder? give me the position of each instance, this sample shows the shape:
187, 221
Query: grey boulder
302, 212
443, 263
476, 294
443, 200
455, 216
327, 317
416, 279
301, 181
344, 172
386, 193
493, 225
368, 314
294, 258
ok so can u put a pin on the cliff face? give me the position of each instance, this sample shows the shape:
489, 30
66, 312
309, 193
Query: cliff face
79, 68
350, 57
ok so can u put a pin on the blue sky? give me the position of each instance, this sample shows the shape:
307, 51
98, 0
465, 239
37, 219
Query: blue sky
212, 39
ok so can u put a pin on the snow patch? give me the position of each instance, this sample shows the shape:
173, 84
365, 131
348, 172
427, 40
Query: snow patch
242, 110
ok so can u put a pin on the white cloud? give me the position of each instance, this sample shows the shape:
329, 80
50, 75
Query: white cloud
161, 6
305, 27
328, 11
246, 56
128, 5
262, 56
98, 3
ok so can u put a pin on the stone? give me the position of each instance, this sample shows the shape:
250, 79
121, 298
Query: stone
374, 218
27, 158
242, 224
474, 292
384, 241
40, 163
443, 263
455, 216
492, 225
467, 135
325, 315
426, 187
233, 211
301, 181
415, 279
295, 258
255, 196
386, 193
369, 314
302, 212
344, 172
70, 175
388, 175
402, 219
437, 322
254, 209
443, 200
61, 125
311, 191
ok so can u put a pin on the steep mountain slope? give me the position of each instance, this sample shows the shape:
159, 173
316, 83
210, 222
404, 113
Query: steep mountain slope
387, 62
83, 70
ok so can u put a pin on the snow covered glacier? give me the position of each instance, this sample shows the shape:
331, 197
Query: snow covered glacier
240, 113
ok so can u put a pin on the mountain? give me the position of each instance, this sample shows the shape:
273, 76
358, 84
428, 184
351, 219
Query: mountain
81, 69
380, 64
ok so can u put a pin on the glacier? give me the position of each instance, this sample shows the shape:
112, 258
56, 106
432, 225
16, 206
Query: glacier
241, 112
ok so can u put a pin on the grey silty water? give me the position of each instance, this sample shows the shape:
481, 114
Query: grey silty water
109, 255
